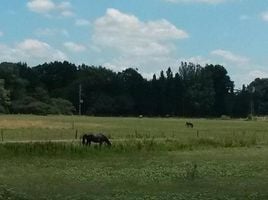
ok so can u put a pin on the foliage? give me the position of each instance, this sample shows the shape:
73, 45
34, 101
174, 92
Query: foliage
30, 105
61, 106
192, 91
4, 97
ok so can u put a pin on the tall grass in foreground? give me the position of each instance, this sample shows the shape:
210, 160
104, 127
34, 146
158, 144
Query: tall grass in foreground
9, 194
128, 145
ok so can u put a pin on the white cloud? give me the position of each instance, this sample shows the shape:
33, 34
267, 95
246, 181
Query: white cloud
238, 67
40, 32
71, 46
49, 7
45, 32
113, 66
241, 69
197, 1
249, 76
230, 57
197, 60
31, 51
65, 5
82, 22
134, 42
67, 13
41, 6
66, 9
264, 16
258, 74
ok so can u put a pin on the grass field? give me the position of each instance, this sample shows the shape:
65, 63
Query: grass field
151, 158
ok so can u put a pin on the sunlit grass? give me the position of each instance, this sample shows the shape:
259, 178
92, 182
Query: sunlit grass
151, 158
28, 127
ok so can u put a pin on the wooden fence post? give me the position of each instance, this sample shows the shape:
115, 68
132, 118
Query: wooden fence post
2, 135
73, 124
136, 133
76, 132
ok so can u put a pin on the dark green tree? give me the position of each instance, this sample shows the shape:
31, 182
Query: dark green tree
223, 87
4, 97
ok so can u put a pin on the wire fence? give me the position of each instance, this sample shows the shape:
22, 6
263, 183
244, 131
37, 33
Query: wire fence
71, 134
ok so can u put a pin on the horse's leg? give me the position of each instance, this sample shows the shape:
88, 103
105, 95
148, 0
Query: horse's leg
83, 140
100, 144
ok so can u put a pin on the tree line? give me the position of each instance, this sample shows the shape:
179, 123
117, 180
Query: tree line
191, 91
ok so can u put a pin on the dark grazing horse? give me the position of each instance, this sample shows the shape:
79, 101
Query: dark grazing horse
96, 138
189, 124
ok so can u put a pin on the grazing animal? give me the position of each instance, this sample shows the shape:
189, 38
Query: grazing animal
189, 124
96, 138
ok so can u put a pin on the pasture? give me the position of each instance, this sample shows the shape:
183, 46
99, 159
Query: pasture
151, 158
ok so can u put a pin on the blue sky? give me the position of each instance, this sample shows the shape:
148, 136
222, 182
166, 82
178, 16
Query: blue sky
150, 35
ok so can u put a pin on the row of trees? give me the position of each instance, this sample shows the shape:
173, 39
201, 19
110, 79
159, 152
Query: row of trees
193, 91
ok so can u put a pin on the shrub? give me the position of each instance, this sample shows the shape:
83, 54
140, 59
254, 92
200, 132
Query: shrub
29, 105
61, 106
225, 117
251, 118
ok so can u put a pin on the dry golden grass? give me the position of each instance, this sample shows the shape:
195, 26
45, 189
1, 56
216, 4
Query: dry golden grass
21, 123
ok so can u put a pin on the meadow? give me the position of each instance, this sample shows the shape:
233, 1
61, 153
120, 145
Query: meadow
151, 158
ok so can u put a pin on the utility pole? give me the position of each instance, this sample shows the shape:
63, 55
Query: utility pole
252, 101
80, 100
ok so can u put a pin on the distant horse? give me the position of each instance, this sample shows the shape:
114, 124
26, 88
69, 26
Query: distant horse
189, 124
96, 138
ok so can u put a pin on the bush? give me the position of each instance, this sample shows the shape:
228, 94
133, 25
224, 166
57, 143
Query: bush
61, 106
251, 118
2, 109
29, 105
225, 117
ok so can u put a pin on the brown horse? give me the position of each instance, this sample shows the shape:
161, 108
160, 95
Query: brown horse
189, 124
96, 138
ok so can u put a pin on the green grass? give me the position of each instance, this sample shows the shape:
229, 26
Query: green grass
151, 158
237, 173
28, 127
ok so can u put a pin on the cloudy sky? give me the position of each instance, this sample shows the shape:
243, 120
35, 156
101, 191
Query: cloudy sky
150, 35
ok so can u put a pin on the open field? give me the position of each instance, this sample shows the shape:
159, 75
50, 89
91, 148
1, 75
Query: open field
151, 158
30, 128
